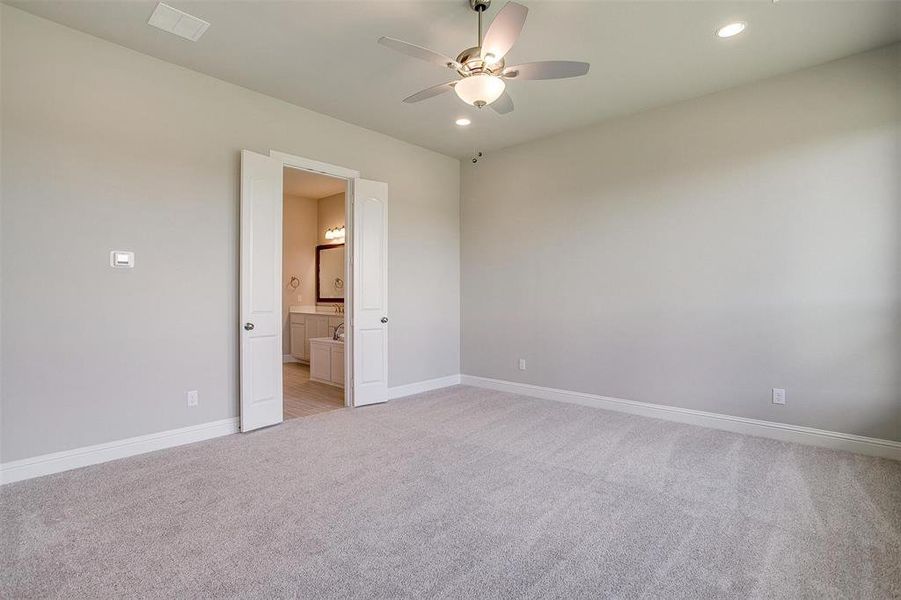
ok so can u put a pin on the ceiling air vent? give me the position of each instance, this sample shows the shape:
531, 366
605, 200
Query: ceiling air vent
178, 22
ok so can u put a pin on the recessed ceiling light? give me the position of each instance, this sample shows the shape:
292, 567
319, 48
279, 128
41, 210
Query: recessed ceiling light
463, 122
732, 29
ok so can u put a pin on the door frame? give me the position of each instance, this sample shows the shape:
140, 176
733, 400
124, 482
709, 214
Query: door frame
348, 175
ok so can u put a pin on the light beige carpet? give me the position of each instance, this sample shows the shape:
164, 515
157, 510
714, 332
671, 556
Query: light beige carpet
462, 493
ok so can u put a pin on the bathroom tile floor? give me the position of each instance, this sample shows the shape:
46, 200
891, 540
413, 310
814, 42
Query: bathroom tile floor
304, 397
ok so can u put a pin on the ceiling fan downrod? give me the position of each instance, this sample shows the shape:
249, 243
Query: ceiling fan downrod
479, 6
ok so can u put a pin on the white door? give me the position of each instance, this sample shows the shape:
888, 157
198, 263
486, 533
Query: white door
370, 292
261, 294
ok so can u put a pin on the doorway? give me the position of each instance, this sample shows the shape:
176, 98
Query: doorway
263, 283
314, 276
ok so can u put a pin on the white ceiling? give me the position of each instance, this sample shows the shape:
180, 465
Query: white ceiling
311, 185
324, 56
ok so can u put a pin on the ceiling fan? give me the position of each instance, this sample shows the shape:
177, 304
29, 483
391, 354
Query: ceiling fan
482, 72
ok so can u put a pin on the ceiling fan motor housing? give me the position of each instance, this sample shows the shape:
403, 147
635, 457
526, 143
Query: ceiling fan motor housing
472, 63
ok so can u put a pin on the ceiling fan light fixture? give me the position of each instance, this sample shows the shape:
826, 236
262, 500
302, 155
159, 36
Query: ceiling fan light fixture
480, 90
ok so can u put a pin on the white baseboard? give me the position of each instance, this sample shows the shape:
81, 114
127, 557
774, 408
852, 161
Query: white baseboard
768, 429
419, 387
57, 462
89, 455
287, 358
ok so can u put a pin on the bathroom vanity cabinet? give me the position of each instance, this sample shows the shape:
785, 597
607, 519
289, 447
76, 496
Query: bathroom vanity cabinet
327, 361
308, 325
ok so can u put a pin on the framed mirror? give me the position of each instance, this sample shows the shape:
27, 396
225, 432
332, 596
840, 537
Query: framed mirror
330, 273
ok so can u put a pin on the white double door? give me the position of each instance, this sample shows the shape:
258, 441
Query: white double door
261, 292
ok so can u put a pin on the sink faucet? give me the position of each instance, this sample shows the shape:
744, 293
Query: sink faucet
340, 326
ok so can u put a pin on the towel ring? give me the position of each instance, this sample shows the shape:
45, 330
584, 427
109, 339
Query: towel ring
294, 283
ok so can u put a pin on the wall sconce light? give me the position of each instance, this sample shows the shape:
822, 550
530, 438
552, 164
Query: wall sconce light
335, 234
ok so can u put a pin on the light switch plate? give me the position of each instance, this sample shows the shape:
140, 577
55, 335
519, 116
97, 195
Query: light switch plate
778, 396
122, 259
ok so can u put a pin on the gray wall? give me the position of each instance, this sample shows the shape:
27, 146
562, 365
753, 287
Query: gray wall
105, 148
300, 236
701, 254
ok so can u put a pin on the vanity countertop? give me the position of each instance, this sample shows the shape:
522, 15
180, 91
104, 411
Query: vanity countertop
312, 310
327, 340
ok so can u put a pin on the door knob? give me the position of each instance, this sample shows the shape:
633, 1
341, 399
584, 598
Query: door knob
248, 326
384, 319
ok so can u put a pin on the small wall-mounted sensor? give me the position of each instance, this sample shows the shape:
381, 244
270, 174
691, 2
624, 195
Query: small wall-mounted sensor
122, 259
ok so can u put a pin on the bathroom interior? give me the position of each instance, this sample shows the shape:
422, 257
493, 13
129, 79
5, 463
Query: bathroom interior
313, 270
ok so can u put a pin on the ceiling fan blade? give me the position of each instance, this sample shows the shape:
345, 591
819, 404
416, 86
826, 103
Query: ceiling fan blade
419, 52
431, 92
504, 30
503, 105
547, 69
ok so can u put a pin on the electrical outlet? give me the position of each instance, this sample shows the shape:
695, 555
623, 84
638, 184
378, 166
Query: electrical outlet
193, 397
778, 396
522, 364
